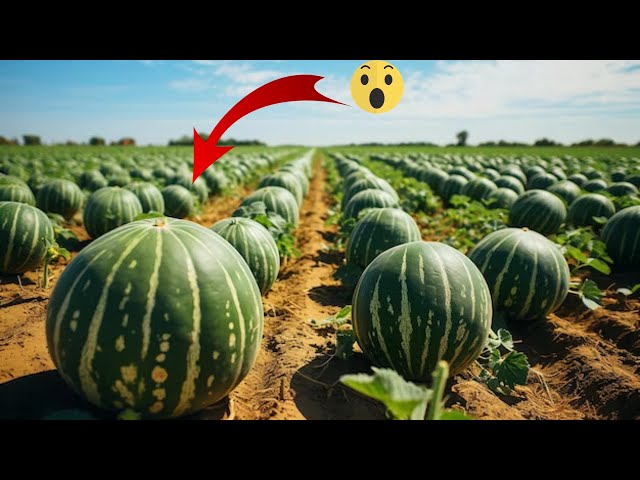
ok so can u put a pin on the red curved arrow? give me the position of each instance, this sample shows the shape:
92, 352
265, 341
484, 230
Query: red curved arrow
294, 88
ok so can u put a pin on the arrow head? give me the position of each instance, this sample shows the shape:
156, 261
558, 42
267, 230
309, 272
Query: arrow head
205, 153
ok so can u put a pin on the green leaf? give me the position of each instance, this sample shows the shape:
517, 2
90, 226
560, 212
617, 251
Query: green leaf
624, 291
590, 290
129, 414
590, 304
600, 220
635, 288
506, 339
344, 312
577, 254
345, 338
404, 400
512, 370
455, 415
599, 265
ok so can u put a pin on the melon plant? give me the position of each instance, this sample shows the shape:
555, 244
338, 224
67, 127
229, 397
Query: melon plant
278, 200
419, 303
587, 206
178, 201
371, 198
527, 274
161, 317
17, 193
377, 231
60, 196
256, 245
621, 234
25, 235
150, 197
538, 210
108, 208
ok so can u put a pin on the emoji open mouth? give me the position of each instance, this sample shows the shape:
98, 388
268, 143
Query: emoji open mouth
376, 98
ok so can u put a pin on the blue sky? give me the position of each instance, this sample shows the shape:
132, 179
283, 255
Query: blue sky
154, 101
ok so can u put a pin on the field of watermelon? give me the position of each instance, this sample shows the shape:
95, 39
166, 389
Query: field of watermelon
324, 283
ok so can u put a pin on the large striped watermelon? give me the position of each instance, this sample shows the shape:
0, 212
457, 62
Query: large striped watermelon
285, 180
377, 231
278, 200
526, 273
541, 181
453, 186
566, 190
419, 303
620, 189
595, 185
538, 210
25, 234
108, 208
479, 188
256, 245
503, 198
178, 201
367, 183
17, 193
371, 198
510, 182
621, 234
587, 206
60, 196
149, 195
160, 316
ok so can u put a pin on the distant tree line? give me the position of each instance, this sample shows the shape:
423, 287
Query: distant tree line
187, 140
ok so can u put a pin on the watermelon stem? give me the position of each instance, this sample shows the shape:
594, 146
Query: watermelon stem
440, 376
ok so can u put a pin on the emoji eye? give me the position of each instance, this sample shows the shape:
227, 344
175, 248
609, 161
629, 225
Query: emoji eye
388, 79
364, 79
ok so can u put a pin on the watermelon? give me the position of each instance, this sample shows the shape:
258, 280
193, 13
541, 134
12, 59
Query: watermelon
419, 303
463, 171
256, 245
516, 172
300, 175
585, 207
160, 316
150, 197
620, 189
371, 198
507, 181
618, 176
377, 231
566, 190
11, 180
538, 210
504, 198
479, 188
17, 193
92, 180
578, 178
108, 208
491, 174
198, 188
25, 235
595, 185
453, 186
634, 180
216, 180
60, 196
370, 182
285, 180
541, 181
178, 201
621, 234
526, 272
278, 200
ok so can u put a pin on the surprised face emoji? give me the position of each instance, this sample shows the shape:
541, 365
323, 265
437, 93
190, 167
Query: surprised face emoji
377, 86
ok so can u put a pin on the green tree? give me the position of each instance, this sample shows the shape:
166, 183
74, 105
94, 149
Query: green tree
31, 140
462, 138
95, 141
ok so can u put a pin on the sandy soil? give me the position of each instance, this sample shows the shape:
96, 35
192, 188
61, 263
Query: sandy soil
587, 363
